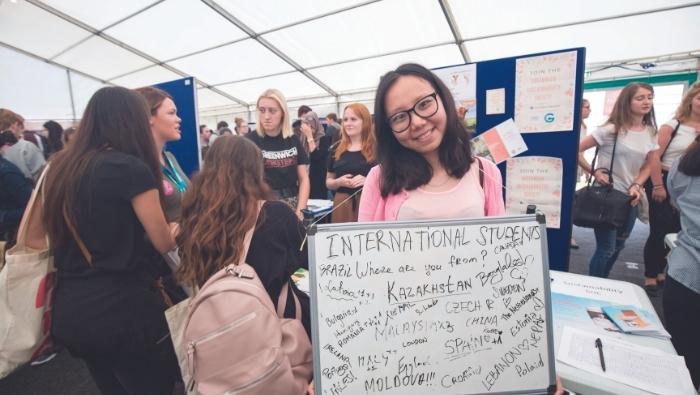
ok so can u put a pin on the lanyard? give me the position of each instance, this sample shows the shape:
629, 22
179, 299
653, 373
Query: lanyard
173, 176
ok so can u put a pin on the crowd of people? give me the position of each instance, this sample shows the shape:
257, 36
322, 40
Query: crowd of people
116, 201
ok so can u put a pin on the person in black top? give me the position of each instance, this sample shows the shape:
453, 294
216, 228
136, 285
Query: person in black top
103, 197
219, 208
317, 144
285, 159
349, 162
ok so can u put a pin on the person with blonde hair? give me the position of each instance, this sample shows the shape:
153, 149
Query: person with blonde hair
675, 136
286, 161
349, 162
623, 144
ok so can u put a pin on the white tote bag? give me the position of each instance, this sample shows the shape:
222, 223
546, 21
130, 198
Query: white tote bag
26, 290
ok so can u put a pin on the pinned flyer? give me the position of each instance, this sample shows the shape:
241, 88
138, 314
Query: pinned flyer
500, 142
544, 92
535, 180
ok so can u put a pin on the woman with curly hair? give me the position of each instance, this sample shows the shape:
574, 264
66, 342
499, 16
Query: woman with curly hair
221, 205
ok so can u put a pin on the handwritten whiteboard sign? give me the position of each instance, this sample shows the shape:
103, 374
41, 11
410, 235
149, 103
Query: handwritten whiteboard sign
425, 307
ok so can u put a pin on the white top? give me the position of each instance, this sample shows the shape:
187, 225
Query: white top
465, 200
583, 133
630, 154
685, 135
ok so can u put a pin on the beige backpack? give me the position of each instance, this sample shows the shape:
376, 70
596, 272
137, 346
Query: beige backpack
238, 343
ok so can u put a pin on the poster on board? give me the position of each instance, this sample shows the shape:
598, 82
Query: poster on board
535, 180
499, 143
461, 81
439, 307
544, 92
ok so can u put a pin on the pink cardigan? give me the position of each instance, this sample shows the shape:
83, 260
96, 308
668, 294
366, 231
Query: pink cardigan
373, 207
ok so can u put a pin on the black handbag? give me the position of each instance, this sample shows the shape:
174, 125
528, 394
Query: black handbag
602, 207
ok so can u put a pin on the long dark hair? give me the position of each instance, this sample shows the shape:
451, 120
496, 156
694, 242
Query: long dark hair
55, 137
406, 169
115, 118
690, 162
219, 207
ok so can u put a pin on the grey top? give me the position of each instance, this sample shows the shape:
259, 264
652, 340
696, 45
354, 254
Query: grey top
26, 156
684, 261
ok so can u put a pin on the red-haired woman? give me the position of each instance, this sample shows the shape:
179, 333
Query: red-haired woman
350, 161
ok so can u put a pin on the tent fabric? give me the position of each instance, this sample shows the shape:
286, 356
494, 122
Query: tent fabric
56, 53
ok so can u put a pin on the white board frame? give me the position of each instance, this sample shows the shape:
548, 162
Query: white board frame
318, 230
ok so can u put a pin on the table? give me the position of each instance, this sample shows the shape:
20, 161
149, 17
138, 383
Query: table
567, 287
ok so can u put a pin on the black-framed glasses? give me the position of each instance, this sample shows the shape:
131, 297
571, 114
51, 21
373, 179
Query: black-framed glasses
425, 107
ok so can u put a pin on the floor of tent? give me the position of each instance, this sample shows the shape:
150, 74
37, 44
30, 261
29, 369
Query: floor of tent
67, 375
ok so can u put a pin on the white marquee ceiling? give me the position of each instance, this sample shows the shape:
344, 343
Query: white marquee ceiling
327, 51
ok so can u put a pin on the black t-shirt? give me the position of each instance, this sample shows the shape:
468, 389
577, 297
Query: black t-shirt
109, 307
350, 162
274, 254
281, 157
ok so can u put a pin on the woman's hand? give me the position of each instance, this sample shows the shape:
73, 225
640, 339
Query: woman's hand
560, 387
306, 130
601, 177
357, 181
344, 181
658, 194
299, 214
635, 191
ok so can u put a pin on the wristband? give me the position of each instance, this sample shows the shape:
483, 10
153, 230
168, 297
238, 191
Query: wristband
634, 184
660, 186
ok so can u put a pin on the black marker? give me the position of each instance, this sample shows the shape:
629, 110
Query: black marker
599, 346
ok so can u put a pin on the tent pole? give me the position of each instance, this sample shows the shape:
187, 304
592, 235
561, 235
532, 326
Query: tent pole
70, 92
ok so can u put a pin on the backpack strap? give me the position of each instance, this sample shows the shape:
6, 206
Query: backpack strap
282, 302
249, 235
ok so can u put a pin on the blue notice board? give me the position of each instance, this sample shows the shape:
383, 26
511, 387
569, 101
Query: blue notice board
500, 73
186, 150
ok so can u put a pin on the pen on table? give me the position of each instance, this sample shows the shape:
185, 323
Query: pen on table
599, 346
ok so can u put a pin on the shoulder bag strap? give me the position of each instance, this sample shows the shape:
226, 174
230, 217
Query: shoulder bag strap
675, 132
31, 209
78, 240
612, 157
595, 156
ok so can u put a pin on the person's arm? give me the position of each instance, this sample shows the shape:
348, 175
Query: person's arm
304, 189
371, 196
636, 190
493, 188
149, 212
654, 160
600, 176
307, 133
334, 183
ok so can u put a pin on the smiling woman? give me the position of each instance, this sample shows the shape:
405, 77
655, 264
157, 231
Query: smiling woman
426, 169
165, 126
